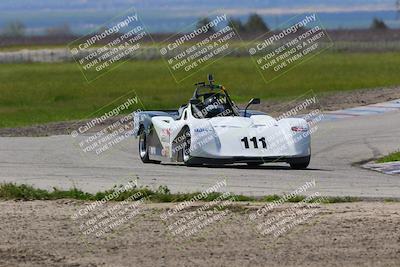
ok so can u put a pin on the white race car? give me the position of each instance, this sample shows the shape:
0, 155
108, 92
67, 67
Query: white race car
211, 129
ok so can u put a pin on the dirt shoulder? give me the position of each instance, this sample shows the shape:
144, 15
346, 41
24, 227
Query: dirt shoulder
328, 102
42, 233
343, 100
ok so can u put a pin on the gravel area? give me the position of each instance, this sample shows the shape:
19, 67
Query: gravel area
42, 233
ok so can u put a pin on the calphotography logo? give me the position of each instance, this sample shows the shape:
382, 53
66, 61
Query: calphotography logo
112, 44
199, 133
187, 53
186, 219
102, 217
276, 219
113, 126
276, 52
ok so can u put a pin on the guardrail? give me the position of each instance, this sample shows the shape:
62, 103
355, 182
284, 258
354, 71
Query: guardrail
151, 53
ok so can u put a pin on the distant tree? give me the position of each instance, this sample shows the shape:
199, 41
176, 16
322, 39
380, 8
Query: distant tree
398, 8
14, 29
255, 23
203, 22
62, 30
378, 24
237, 24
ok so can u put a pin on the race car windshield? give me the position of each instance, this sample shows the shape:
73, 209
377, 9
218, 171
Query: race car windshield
214, 105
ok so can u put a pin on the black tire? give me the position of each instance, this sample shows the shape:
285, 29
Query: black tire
143, 146
185, 152
300, 164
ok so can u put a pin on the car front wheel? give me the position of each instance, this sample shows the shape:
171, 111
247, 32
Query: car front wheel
187, 159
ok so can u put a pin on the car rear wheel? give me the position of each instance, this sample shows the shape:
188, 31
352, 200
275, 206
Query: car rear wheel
144, 146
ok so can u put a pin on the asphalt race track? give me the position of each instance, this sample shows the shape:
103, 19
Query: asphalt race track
57, 161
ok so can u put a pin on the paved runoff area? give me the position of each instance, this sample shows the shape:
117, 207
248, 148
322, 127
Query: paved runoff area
367, 110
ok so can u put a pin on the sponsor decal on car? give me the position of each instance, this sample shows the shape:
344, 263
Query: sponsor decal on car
165, 152
201, 130
166, 132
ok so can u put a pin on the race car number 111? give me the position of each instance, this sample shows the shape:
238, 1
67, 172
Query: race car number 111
255, 142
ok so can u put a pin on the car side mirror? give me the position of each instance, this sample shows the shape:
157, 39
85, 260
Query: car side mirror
210, 78
194, 101
253, 101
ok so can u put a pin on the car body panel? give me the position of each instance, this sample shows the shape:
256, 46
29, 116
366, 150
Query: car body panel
221, 139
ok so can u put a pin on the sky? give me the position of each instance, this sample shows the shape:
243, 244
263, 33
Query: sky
172, 15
